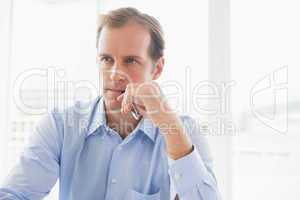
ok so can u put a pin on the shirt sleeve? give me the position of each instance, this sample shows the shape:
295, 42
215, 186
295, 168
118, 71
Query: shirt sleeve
191, 176
37, 169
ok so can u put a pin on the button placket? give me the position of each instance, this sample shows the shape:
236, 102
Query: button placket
112, 178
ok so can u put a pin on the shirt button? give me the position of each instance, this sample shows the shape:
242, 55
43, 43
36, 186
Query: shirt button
113, 181
119, 148
177, 177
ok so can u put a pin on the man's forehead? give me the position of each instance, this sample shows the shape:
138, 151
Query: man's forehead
131, 39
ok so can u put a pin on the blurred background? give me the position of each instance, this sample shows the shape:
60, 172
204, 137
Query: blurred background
232, 65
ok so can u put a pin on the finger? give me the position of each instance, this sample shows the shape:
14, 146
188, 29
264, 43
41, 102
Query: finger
137, 101
138, 104
141, 109
128, 107
127, 100
120, 98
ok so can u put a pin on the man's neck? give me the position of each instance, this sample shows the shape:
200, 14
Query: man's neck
123, 124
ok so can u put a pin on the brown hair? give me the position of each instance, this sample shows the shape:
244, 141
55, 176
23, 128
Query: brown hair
120, 17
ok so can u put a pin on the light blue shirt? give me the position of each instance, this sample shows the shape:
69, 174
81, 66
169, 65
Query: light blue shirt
92, 161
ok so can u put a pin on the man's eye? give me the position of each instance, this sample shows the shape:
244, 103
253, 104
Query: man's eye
130, 61
106, 59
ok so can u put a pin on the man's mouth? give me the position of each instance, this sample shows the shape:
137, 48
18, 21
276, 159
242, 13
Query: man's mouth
115, 90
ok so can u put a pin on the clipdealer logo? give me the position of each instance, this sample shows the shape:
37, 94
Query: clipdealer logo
275, 86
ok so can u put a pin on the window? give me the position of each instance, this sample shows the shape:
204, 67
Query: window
264, 42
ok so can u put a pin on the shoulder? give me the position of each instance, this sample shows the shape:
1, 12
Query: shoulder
197, 135
191, 125
75, 117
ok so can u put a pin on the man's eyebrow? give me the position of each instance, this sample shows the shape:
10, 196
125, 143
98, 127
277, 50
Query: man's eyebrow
134, 56
104, 55
127, 56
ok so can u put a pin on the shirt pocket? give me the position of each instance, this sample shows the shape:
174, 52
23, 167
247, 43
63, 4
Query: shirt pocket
134, 195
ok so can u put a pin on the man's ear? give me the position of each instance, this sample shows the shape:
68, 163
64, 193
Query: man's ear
158, 68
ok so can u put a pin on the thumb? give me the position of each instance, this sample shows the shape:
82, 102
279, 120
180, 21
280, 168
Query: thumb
121, 97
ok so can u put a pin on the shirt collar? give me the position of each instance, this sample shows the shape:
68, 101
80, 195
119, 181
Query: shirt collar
148, 128
98, 118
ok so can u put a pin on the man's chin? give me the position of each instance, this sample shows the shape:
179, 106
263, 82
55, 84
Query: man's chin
112, 105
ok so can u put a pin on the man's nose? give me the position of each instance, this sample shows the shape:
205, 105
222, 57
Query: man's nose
116, 74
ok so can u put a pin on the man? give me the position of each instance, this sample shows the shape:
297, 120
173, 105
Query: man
129, 144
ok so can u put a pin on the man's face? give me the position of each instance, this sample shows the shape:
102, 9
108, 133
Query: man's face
123, 58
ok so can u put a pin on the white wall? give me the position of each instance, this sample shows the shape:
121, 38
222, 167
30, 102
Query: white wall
5, 14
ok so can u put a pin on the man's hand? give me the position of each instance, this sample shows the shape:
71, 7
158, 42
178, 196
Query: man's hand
150, 101
146, 97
